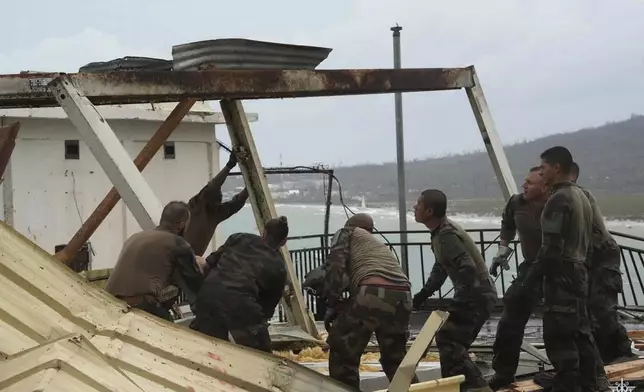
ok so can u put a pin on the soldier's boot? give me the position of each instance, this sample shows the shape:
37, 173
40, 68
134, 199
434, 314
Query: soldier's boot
498, 382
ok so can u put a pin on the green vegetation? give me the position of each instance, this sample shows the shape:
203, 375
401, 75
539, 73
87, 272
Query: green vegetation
609, 156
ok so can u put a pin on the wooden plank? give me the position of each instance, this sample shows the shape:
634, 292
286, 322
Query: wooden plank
406, 370
627, 370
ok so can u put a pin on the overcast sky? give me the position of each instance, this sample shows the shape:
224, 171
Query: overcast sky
546, 66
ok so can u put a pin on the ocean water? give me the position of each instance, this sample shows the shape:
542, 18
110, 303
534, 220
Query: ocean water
309, 219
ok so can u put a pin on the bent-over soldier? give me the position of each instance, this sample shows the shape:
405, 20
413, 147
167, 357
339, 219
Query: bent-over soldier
245, 282
380, 302
152, 260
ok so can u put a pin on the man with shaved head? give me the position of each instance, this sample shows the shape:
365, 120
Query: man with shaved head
152, 260
380, 301
456, 257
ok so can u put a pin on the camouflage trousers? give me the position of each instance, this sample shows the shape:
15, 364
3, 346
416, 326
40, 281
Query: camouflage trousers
371, 309
221, 310
610, 335
571, 348
457, 335
519, 303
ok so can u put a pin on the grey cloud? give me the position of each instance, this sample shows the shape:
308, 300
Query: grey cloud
546, 66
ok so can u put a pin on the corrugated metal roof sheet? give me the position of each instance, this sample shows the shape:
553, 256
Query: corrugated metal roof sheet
237, 53
68, 364
43, 301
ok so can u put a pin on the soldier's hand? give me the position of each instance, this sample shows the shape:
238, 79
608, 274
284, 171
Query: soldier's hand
420, 297
500, 260
232, 161
329, 317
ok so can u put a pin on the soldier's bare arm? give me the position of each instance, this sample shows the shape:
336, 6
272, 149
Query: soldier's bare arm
337, 262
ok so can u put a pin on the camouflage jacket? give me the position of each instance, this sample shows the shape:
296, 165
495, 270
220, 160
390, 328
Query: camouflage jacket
566, 223
356, 255
606, 252
246, 263
525, 218
457, 257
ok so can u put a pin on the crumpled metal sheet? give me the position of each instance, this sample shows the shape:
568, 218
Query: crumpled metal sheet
128, 63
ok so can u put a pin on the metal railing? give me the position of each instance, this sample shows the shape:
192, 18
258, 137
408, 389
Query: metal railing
309, 252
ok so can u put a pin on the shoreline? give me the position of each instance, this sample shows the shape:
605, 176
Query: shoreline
492, 208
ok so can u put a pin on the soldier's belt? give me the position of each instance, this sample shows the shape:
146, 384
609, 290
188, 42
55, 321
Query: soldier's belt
386, 292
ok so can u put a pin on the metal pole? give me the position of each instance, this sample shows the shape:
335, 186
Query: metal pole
400, 158
327, 212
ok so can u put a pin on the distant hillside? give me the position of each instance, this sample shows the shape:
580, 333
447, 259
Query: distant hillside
610, 157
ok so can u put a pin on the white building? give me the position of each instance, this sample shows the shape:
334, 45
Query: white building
53, 182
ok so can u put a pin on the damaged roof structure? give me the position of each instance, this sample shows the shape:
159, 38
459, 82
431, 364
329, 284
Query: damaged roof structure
45, 305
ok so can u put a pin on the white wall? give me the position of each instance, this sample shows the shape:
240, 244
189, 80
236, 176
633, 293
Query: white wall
52, 196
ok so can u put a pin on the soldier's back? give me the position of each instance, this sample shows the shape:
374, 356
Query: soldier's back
248, 262
144, 265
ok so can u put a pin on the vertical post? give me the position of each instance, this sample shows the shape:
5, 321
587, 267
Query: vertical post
109, 152
263, 206
491, 138
327, 212
400, 158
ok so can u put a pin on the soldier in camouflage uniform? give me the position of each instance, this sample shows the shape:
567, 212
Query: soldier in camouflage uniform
245, 283
605, 280
458, 258
566, 224
522, 214
207, 210
380, 302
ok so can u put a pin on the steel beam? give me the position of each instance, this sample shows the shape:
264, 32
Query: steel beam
263, 206
491, 137
109, 152
28, 90
112, 198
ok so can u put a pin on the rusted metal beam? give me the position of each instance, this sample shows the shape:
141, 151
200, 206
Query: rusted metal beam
27, 90
141, 161
263, 206
8, 136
